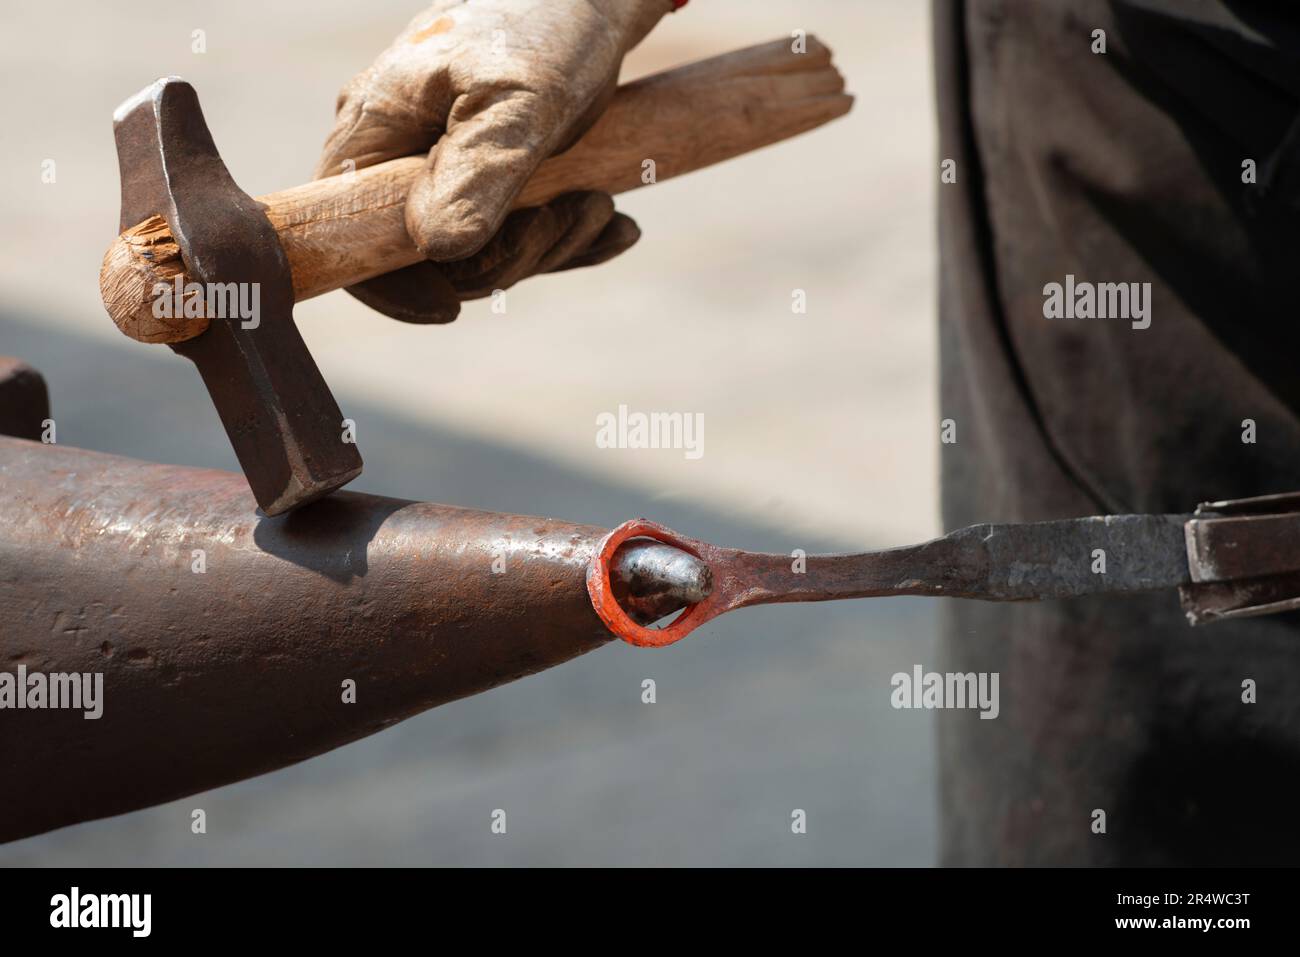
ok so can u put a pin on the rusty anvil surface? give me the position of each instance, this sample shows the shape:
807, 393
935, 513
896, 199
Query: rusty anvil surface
224, 637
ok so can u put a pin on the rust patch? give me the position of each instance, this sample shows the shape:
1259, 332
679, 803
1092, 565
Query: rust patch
441, 25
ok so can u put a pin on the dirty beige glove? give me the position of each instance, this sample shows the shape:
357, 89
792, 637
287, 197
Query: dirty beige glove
498, 86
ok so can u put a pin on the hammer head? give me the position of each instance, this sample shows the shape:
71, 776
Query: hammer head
284, 424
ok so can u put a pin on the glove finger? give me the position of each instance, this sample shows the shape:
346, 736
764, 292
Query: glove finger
587, 215
418, 294
367, 131
496, 137
589, 116
576, 229
532, 241
618, 236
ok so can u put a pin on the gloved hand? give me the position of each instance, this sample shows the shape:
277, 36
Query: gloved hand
494, 87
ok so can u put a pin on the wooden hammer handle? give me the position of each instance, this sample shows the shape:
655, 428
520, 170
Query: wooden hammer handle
344, 229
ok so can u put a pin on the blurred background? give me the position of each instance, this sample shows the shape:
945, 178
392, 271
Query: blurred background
820, 433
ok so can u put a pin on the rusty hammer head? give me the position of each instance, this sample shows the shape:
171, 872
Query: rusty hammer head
283, 422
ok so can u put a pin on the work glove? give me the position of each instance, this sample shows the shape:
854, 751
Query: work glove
489, 88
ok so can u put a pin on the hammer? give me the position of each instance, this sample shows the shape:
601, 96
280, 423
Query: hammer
195, 251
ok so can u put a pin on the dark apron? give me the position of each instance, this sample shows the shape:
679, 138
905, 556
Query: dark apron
1119, 167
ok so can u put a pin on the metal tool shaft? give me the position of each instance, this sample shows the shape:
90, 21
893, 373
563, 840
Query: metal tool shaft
1012, 562
1009, 562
